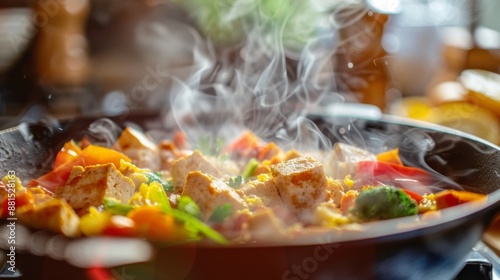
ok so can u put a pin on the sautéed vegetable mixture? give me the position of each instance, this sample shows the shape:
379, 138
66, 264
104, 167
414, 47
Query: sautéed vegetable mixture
249, 190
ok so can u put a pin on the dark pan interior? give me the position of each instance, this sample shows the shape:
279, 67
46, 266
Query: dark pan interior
457, 160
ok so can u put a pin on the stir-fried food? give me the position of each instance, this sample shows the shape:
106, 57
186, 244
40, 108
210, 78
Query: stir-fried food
249, 190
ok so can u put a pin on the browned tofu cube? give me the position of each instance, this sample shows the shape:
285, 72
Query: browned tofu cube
301, 183
90, 185
209, 192
52, 214
266, 191
131, 138
139, 148
193, 162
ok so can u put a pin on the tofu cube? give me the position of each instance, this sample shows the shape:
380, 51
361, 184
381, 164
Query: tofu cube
90, 185
52, 214
301, 183
209, 192
266, 191
193, 162
139, 148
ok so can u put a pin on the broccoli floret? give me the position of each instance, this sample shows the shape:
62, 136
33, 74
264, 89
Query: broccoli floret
383, 202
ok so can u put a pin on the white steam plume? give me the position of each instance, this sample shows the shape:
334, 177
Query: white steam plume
260, 65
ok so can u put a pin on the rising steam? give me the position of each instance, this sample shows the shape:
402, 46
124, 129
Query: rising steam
260, 65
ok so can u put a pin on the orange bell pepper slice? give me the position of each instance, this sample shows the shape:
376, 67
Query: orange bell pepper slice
152, 222
90, 155
449, 198
391, 156
93, 154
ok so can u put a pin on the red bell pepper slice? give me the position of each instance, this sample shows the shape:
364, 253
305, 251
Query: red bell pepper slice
68, 152
386, 172
90, 155
391, 156
449, 198
247, 146
415, 196
57, 176
120, 226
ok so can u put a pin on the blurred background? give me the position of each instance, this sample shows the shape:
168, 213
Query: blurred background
432, 60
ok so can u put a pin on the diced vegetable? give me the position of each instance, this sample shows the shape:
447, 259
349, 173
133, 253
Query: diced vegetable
191, 227
386, 172
268, 151
151, 194
120, 226
198, 227
68, 152
246, 145
94, 222
415, 196
249, 169
152, 177
427, 204
383, 203
153, 223
391, 156
449, 198
187, 205
91, 155
116, 207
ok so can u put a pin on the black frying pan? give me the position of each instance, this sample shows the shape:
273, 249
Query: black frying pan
402, 249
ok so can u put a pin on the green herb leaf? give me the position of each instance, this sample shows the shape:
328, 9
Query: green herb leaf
221, 213
187, 205
235, 183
